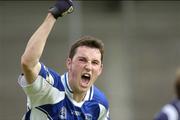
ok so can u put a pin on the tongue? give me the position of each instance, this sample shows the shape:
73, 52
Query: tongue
85, 81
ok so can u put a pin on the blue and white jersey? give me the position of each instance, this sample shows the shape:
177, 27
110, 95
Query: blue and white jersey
50, 97
170, 111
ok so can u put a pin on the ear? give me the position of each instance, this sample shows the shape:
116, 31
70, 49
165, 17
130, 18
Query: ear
68, 63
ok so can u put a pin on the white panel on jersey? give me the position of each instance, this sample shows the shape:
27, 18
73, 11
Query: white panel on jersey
41, 92
104, 114
171, 112
38, 115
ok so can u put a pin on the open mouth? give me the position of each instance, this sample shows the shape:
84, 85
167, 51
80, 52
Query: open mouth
85, 79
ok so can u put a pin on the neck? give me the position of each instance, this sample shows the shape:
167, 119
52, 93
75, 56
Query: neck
78, 97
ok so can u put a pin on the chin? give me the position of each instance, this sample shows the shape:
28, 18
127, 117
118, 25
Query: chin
84, 89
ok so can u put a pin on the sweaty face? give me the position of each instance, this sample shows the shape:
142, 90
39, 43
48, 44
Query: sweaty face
84, 68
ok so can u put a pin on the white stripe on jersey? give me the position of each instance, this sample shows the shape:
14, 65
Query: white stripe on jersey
171, 112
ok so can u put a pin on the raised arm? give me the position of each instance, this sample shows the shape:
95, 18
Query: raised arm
34, 49
30, 59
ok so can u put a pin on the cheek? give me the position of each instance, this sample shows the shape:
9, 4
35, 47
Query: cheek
96, 72
99, 69
76, 67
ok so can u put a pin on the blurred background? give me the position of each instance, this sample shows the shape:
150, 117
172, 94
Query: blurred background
141, 51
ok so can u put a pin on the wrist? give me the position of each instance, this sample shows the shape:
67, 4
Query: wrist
50, 16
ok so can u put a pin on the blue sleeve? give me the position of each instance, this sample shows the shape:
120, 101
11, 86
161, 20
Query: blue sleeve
161, 116
100, 97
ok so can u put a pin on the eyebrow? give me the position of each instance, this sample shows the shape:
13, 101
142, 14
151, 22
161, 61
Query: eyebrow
86, 58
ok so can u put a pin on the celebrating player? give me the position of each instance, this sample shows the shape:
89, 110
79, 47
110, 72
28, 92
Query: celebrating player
71, 96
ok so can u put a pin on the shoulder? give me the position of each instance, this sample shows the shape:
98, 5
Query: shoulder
168, 112
51, 76
100, 97
46, 71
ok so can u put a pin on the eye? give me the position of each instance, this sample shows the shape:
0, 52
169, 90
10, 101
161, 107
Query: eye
95, 62
82, 59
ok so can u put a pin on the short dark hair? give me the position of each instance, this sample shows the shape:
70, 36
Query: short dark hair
88, 41
177, 84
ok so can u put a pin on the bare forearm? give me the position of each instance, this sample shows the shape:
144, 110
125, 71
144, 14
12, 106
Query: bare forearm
30, 59
37, 42
34, 49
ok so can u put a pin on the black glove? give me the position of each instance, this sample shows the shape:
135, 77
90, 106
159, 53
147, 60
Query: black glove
61, 8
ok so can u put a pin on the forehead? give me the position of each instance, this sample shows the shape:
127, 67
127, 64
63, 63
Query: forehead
88, 52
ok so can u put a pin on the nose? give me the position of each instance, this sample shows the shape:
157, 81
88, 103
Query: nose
88, 66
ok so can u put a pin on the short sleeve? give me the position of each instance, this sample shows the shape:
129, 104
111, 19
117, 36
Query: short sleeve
42, 91
43, 77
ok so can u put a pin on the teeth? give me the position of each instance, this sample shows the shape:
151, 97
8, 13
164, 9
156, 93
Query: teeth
86, 75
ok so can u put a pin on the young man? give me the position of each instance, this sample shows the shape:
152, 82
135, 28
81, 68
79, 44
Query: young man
71, 96
171, 111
